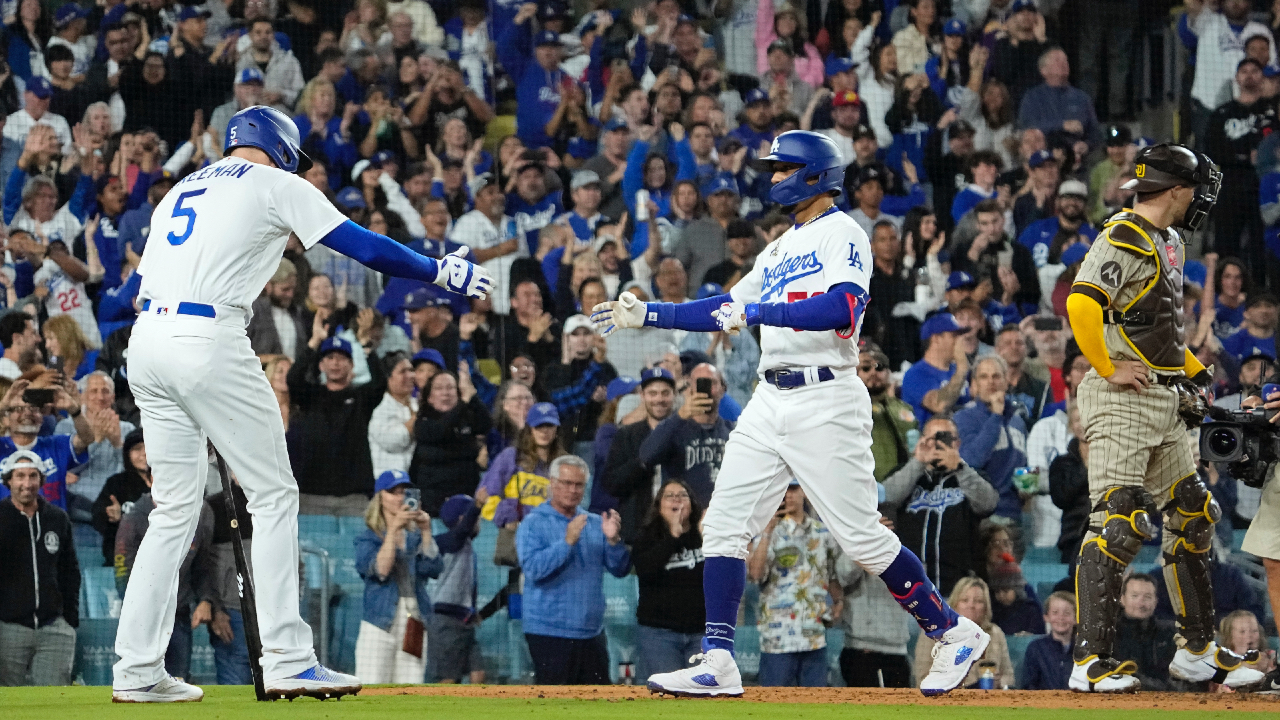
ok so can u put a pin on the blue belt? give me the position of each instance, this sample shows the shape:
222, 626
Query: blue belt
188, 308
791, 379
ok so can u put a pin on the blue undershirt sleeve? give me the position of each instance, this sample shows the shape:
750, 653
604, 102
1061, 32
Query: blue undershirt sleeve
381, 253
838, 308
694, 315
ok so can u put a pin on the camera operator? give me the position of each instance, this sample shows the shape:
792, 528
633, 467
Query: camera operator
1263, 537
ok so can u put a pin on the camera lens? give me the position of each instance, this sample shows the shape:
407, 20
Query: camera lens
1223, 442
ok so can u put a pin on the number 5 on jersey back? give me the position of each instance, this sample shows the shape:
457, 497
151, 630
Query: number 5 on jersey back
185, 212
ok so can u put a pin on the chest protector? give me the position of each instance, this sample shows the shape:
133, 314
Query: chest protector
1152, 323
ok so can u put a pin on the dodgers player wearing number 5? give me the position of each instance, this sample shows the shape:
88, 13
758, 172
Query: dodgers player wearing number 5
215, 240
810, 418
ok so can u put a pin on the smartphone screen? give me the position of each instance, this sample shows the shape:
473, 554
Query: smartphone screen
703, 386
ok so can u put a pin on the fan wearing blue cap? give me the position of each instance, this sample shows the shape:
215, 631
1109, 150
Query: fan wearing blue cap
934, 383
395, 549
758, 128
533, 61
811, 415
517, 478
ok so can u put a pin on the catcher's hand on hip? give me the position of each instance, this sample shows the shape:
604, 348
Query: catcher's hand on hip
731, 317
457, 274
625, 312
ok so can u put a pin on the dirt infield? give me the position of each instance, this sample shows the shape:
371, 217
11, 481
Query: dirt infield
972, 698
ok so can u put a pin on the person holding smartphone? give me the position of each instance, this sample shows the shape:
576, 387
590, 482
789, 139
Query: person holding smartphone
689, 444
396, 555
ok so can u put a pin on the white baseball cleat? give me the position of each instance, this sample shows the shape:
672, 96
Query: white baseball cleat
317, 682
1104, 675
953, 655
168, 690
716, 674
1215, 664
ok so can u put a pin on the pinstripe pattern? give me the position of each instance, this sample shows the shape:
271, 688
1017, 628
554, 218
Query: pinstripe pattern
1135, 439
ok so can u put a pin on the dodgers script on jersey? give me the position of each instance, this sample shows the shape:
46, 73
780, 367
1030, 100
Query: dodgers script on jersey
219, 234
800, 264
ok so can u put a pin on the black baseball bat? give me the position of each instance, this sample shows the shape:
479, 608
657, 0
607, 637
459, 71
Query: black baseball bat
244, 585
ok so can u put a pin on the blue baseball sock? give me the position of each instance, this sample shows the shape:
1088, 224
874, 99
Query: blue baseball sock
913, 590
723, 579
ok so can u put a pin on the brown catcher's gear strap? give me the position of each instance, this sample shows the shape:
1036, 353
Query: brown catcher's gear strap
1188, 536
1103, 557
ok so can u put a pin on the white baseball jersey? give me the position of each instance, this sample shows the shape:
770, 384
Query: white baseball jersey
68, 297
219, 234
800, 264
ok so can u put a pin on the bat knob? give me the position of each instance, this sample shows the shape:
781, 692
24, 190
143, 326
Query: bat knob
235, 524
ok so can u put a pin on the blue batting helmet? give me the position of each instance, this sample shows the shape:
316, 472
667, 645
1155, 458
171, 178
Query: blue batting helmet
822, 170
272, 132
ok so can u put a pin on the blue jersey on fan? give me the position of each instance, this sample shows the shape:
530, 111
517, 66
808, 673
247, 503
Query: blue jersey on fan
920, 380
58, 455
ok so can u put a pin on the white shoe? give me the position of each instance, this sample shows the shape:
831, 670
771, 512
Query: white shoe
953, 655
168, 690
716, 674
1215, 664
318, 682
1104, 675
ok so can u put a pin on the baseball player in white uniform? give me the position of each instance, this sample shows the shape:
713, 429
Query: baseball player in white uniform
810, 418
215, 240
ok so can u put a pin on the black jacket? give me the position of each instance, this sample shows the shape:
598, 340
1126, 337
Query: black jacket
670, 574
577, 421
1024, 266
444, 460
937, 517
688, 451
264, 336
1150, 644
112, 360
39, 573
628, 479
1069, 489
328, 436
126, 487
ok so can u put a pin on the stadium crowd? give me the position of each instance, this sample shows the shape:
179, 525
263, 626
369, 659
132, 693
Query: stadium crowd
577, 153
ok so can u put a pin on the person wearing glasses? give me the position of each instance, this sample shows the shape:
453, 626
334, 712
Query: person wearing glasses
59, 453
936, 501
668, 559
564, 552
891, 418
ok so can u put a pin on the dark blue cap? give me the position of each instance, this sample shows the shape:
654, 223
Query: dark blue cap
546, 37
67, 12
1271, 71
582, 148
454, 508
1074, 254
616, 123
39, 87
336, 344
940, 323
1039, 157
543, 413
553, 10
391, 479
430, 355
720, 183
421, 298
189, 12
621, 385
954, 26
755, 95
1020, 5
250, 75
350, 198
709, 290
657, 373
1257, 353
960, 279
728, 144
837, 64
382, 157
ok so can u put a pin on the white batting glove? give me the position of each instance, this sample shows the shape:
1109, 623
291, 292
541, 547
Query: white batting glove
625, 312
455, 273
731, 317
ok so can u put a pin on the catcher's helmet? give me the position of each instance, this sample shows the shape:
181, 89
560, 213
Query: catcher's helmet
1160, 167
272, 132
823, 171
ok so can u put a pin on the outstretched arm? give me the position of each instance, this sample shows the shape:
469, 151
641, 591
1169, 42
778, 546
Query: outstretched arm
385, 255
837, 309
628, 312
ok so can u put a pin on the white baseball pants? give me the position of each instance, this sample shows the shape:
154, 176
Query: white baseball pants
820, 435
195, 377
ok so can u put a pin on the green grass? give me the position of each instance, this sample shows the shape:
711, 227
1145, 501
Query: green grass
236, 703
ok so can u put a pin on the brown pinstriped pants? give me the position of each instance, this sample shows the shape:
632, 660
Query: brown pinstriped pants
1136, 439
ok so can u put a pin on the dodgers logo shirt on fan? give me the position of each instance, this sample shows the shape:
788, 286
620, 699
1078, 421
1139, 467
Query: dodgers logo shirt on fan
58, 456
805, 263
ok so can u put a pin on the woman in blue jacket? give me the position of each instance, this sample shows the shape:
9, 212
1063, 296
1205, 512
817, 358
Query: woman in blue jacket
395, 555
653, 172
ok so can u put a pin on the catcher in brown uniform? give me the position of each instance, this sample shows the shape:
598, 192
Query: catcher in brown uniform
1136, 404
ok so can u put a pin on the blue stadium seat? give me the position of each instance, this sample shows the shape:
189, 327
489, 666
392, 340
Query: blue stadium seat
1042, 555
1036, 573
317, 526
1237, 538
98, 597
1018, 647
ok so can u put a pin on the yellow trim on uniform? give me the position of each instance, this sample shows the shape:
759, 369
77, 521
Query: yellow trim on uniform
1129, 246
1102, 547
1141, 294
1192, 365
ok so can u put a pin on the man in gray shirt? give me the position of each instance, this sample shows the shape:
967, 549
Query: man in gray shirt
702, 243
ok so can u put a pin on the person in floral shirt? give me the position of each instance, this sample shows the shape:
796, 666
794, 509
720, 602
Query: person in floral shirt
794, 562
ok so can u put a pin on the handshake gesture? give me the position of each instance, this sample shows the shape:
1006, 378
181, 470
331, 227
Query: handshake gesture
455, 273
